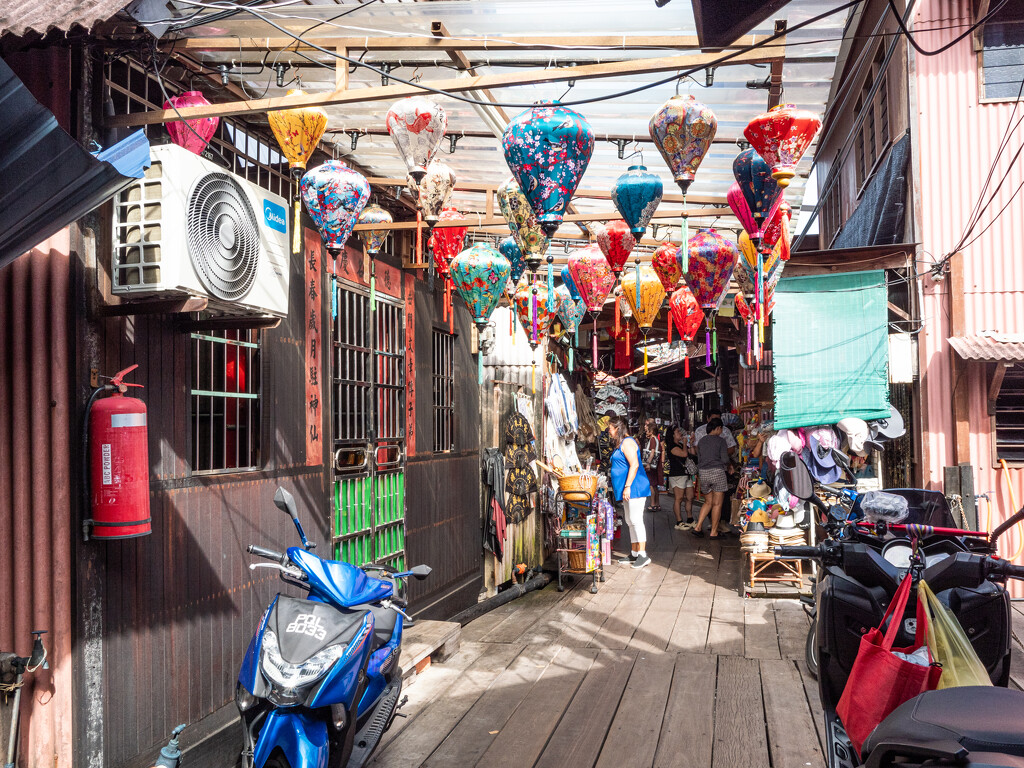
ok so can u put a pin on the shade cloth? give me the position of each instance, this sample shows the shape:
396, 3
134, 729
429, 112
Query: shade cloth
831, 351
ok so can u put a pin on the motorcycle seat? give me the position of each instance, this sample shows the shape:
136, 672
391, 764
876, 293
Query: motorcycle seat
384, 620
980, 718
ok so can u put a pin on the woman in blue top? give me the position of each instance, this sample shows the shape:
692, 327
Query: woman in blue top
631, 486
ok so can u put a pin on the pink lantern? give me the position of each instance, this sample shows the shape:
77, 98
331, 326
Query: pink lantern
193, 135
593, 277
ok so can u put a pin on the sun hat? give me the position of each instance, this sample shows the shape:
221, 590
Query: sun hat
889, 428
759, 491
777, 445
856, 431
821, 462
821, 470
796, 441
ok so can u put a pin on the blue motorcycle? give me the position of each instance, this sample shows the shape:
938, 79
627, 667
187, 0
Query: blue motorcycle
320, 683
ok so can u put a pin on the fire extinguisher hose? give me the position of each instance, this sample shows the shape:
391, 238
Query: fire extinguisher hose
87, 521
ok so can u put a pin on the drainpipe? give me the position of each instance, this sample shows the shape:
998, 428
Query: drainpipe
510, 594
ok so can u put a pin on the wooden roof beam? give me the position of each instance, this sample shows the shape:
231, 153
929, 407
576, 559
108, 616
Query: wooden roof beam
453, 85
419, 44
480, 221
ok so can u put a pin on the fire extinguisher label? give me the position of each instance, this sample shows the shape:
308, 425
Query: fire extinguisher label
128, 420
107, 473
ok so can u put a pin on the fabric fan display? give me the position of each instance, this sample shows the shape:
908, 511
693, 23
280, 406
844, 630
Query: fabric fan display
518, 452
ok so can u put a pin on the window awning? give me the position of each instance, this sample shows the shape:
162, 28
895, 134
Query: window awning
49, 179
831, 349
990, 347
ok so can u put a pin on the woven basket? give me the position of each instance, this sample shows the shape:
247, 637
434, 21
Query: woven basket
577, 559
577, 487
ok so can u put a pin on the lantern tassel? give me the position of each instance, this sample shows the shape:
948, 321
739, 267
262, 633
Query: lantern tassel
551, 287
685, 246
593, 337
645, 360
451, 310
670, 327
571, 350
637, 295
419, 239
714, 341
748, 343
480, 368
686, 365
373, 292
533, 376
533, 313
298, 219
615, 300
707, 347
511, 318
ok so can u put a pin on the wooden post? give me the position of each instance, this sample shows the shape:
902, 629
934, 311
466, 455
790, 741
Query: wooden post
341, 71
961, 423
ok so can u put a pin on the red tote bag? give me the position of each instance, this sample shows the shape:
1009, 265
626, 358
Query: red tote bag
879, 681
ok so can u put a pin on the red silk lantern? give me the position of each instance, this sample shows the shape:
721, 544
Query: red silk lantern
616, 243
446, 242
778, 230
781, 136
667, 265
684, 310
193, 135
593, 277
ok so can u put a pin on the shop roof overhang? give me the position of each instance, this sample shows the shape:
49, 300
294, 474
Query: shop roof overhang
49, 179
989, 347
23, 16
836, 260
719, 22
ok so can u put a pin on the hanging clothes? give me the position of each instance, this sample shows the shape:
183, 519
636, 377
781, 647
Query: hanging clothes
494, 523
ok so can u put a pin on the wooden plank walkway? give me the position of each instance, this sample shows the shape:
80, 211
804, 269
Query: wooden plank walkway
668, 666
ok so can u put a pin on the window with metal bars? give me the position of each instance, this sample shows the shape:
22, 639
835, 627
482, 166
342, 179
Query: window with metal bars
444, 391
1002, 54
1009, 416
225, 400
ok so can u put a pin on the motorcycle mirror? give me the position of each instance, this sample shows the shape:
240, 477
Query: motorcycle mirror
284, 501
795, 476
844, 464
421, 571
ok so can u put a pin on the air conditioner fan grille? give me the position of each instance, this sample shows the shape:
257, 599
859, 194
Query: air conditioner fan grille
223, 237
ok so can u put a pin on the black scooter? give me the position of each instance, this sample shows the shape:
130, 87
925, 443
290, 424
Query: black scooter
982, 726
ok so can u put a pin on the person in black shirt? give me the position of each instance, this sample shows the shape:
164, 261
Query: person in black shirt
679, 480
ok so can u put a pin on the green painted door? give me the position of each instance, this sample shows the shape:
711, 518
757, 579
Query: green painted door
368, 425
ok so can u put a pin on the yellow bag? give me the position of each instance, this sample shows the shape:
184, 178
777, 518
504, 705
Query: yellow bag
949, 645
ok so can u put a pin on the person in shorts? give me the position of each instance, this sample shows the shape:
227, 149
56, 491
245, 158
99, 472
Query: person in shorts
680, 482
713, 468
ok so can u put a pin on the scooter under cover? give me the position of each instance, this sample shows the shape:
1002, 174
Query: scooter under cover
303, 739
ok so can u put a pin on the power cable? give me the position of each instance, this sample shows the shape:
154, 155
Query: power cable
910, 38
458, 97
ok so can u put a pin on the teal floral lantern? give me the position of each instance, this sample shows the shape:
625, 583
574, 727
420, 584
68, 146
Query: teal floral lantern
480, 275
637, 195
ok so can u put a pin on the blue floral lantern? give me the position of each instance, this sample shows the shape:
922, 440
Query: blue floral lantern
547, 148
759, 189
636, 195
570, 284
334, 195
509, 248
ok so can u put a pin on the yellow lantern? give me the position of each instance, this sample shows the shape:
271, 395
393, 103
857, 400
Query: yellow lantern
298, 131
645, 295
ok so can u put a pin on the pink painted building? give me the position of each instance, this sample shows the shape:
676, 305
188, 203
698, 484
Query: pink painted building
960, 111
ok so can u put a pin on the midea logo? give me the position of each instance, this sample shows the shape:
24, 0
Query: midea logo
273, 217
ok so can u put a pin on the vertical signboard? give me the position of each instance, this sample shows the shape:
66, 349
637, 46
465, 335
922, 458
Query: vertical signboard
410, 362
313, 370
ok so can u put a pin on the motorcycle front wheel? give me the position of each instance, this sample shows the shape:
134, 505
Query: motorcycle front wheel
811, 649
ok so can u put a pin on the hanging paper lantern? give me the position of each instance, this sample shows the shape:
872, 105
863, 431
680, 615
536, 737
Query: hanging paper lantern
298, 131
759, 189
434, 190
616, 242
570, 311
740, 207
522, 221
749, 253
592, 276
446, 242
781, 136
743, 308
509, 248
645, 296
683, 130
416, 125
712, 260
479, 275
636, 195
533, 311
684, 310
569, 283
373, 239
667, 265
547, 148
777, 231
195, 134
334, 195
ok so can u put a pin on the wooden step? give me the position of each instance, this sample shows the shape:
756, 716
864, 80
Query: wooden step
427, 642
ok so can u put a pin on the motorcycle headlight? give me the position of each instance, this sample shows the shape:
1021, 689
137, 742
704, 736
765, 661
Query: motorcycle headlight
294, 676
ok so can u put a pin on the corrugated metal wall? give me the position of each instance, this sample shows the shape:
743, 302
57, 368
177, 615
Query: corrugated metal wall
35, 503
958, 138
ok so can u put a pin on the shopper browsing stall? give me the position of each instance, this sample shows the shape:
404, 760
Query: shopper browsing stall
631, 486
713, 467
680, 477
653, 461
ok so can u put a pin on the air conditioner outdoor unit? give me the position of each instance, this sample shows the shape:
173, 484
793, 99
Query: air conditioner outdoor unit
191, 229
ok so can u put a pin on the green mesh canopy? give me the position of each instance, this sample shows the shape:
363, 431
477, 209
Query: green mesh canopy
830, 338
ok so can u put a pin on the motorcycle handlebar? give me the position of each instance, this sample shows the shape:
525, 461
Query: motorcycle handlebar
1007, 570
269, 554
797, 553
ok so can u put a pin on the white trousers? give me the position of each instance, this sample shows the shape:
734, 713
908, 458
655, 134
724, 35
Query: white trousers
634, 509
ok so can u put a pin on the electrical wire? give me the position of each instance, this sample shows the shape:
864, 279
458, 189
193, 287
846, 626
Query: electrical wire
910, 38
508, 105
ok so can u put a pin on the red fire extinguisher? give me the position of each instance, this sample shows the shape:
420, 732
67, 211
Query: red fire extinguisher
118, 463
